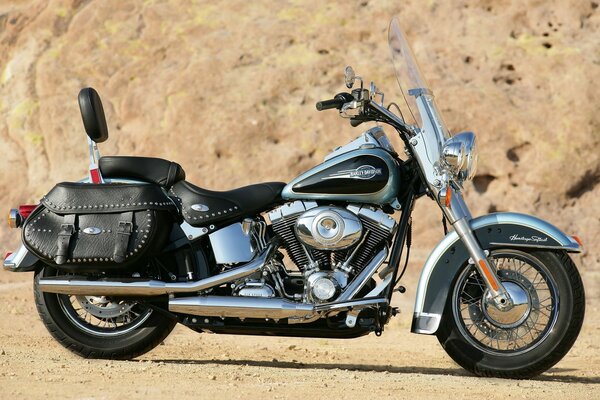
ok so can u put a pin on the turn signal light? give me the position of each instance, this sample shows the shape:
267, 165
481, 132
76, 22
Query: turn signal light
448, 199
14, 218
578, 240
445, 196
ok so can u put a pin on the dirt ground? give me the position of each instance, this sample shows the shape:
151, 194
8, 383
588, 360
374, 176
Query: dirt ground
396, 365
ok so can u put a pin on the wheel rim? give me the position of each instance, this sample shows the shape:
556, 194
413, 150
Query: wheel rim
102, 316
519, 329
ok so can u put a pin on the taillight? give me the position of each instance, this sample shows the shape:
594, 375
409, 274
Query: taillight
26, 209
8, 255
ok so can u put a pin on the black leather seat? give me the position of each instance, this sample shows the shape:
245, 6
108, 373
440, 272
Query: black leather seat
147, 169
201, 207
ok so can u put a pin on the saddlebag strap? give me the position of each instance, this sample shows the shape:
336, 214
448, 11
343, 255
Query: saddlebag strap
123, 234
67, 229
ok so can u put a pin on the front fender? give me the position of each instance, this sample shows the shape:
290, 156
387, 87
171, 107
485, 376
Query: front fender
498, 230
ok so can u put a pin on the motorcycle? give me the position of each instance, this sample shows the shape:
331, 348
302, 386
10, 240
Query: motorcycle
123, 256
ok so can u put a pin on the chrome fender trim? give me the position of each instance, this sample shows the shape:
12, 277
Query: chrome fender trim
492, 231
20, 261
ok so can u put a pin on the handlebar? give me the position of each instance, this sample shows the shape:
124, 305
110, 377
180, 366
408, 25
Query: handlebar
337, 102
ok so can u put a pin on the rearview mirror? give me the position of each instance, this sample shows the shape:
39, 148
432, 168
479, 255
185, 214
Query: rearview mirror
349, 77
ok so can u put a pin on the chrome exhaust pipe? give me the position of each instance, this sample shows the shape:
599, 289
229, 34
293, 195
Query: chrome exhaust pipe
121, 287
241, 307
363, 277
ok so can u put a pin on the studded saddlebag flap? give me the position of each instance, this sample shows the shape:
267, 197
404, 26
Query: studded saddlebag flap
82, 226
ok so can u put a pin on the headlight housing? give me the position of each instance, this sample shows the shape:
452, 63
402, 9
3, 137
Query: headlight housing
459, 156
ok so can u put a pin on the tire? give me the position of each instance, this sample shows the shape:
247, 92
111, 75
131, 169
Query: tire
488, 343
129, 340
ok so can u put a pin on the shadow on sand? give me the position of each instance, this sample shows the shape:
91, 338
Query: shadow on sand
546, 377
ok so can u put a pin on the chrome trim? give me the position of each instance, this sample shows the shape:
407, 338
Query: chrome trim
328, 228
231, 245
114, 180
374, 137
419, 91
459, 156
115, 287
529, 221
500, 295
376, 216
125, 180
199, 207
240, 307
420, 317
92, 230
362, 278
13, 218
290, 209
376, 291
193, 232
20, 261
351, 304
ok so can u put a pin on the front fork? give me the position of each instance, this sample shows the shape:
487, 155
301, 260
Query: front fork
456, 211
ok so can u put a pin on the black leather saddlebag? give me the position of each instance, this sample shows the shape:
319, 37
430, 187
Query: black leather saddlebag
81, 226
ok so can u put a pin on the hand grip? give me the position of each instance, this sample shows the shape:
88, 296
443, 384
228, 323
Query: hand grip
329, 104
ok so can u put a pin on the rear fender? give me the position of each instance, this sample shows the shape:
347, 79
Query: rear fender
20, 261
499, 230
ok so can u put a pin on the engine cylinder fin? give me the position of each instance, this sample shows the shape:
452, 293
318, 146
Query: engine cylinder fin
285, 229
376, 237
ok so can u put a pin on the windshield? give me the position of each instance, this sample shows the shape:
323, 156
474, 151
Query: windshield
407, 70
413, 85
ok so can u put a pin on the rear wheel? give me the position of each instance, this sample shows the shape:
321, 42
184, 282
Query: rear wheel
529, 338
100, 327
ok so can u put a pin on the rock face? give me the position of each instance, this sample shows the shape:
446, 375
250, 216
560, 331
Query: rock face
228, 88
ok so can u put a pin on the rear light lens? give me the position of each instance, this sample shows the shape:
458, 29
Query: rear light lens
8, 255
578, 240
26, 209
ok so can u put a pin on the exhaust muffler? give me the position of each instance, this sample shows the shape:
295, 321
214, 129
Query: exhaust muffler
241, 307
123, 287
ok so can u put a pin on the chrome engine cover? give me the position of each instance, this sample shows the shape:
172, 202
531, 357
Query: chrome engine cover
254, 289
324, 286
328, 228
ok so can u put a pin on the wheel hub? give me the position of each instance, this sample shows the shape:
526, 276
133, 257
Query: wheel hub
512, 316
101, 307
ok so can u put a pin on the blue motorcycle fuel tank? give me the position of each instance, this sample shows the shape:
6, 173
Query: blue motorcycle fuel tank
370, 175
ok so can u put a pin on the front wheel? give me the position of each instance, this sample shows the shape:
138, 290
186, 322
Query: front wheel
98, 326
529, 338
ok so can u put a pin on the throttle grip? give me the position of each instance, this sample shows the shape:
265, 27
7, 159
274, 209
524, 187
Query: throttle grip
329, 104
337, 102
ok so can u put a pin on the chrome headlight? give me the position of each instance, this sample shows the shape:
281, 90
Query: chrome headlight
460, 156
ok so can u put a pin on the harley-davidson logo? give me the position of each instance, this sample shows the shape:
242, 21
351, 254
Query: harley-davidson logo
535, 239
362, 172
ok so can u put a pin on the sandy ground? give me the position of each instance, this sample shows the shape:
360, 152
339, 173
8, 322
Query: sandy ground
190, 365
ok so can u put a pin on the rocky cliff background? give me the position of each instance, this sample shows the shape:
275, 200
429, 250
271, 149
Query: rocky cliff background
227, 89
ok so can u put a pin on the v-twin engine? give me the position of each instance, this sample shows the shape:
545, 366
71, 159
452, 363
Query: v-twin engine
329, 244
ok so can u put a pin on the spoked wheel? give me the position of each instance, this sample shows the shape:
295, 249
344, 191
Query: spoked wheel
102, 316
531, 336
100, 327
